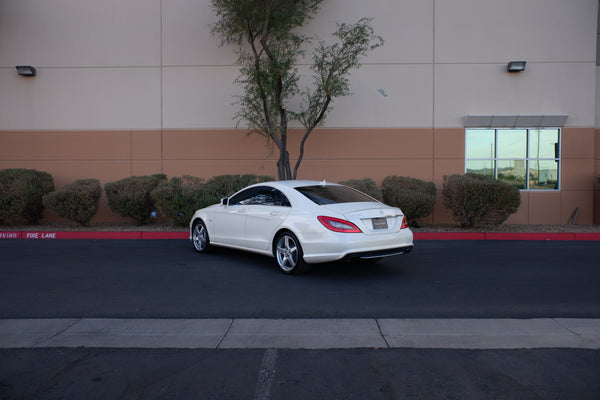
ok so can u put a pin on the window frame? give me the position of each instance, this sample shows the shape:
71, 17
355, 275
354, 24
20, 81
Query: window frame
528, 159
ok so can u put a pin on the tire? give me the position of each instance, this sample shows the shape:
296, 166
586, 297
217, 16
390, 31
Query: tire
200, 238
288, 254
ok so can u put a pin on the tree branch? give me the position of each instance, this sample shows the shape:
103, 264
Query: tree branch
309, 131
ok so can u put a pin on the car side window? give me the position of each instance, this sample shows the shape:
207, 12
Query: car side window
242, 197
274, 197
260, 195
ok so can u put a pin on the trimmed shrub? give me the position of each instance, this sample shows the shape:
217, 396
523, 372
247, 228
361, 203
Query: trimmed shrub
180, 197
366, 185
477, 200
21, 193
77, 201
415, 197
131, 198
225, 185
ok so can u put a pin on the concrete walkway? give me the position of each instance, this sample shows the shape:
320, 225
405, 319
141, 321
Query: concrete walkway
227, 333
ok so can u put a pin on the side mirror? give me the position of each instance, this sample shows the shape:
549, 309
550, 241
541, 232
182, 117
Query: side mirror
225, 201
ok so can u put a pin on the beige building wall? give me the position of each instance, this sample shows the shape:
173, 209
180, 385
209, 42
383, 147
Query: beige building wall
141, 86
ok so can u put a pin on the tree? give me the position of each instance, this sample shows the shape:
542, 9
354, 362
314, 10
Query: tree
270, 46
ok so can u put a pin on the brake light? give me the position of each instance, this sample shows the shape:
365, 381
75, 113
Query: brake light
338, 225
404, 223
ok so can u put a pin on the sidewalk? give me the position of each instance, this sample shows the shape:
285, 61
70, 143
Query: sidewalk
226, 333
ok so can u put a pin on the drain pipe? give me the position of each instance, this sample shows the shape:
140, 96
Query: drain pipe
574, 217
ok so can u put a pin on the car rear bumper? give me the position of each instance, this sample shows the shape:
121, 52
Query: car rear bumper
337, 246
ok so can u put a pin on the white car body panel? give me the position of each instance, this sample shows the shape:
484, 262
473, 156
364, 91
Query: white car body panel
254, 227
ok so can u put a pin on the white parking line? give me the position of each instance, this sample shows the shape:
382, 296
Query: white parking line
266, 375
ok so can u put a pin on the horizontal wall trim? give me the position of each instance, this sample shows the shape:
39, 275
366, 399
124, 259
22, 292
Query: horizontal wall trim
515, 121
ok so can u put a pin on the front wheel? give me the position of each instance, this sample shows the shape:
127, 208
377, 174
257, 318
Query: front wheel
288, 253
200, 237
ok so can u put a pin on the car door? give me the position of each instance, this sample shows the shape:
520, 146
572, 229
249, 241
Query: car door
230, 222
270, 207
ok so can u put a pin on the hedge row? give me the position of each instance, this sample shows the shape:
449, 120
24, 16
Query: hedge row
415, 197
24, 193
474, 200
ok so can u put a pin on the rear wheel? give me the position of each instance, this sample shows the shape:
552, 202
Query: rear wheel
200, 237
289, 255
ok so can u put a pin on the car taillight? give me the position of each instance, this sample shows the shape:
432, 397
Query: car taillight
338, 225
404, 223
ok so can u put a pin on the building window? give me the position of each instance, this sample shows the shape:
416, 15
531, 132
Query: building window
529, 159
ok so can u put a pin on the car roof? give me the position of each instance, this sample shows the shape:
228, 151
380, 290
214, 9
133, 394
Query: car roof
300, 183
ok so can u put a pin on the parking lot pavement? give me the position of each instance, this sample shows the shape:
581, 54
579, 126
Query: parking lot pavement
224, 333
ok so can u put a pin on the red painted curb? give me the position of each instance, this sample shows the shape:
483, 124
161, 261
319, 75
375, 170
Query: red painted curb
506, 236
124, 235
10, 235
587, 236
81, 235
449, 236
118, 235
529, 236
165, 235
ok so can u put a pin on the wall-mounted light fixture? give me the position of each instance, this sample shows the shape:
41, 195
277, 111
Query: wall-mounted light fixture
25, 70
516, 66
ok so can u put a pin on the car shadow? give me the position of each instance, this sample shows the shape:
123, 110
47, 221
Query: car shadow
346, 269
357, 269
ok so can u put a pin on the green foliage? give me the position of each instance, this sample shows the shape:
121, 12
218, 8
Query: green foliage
221, 186
180, 197
415, 197
131, 198
271, 45
21, 193
77, 201
477, 200
366, 185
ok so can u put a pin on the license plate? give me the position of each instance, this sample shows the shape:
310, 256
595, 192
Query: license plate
379, 223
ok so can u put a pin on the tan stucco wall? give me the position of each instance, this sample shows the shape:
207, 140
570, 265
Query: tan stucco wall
331, 154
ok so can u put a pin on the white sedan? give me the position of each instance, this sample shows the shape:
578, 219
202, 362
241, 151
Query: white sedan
302, 222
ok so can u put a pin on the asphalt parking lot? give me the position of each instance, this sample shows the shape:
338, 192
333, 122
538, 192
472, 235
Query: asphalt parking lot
130, 295
167, 279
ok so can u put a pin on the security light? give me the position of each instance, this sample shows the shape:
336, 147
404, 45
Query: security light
25, 70
516, 66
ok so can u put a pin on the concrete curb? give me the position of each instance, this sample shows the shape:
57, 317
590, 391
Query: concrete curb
120, 235
226, 333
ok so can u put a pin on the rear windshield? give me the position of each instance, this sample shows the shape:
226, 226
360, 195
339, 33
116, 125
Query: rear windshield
332, 194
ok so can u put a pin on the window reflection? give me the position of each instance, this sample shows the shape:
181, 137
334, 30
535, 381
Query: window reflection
480, 143
513, 172
512, 144
543, 143
525, 158
543, 174
481, 167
